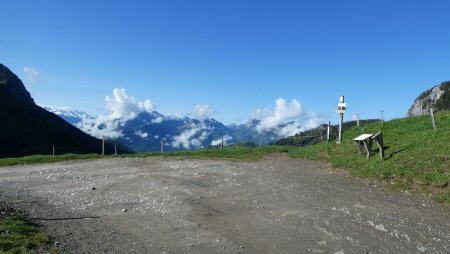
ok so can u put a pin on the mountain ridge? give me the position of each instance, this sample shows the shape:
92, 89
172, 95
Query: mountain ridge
13, 86
436, 98
28, 129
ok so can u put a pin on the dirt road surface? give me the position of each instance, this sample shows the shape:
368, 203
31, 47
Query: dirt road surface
276, 205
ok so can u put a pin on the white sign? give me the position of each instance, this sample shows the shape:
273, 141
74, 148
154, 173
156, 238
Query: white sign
342, 107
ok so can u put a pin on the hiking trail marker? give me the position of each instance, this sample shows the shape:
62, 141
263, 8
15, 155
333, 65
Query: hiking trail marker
342, 108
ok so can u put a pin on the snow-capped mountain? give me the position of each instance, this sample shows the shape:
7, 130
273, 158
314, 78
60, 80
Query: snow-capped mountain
68, 114
146, 131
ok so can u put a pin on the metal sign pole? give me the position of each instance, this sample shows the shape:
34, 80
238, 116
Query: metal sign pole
103, 145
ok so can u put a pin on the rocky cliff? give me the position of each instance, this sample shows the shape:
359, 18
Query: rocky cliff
13, 86
437, 98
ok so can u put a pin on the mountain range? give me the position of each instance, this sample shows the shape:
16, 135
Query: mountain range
146, 131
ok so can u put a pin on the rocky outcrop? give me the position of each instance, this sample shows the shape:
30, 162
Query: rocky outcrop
13, 85
436, 98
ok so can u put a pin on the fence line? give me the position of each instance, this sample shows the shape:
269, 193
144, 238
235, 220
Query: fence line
58, 150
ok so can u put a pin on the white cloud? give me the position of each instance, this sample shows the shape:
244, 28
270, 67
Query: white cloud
261, 113
202, 110
141, 134
192, 137
289, 130
31, 74
282, 113
286, 118
173, 116
313, 120
226, 140
183, 140
158, 120
121, 108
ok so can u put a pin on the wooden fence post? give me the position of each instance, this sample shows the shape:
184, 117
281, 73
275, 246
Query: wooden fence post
162, 146
53, 151
221, 145
433, 120
103, 145
328, 131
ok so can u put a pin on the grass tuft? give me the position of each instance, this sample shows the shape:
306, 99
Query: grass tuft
20, 236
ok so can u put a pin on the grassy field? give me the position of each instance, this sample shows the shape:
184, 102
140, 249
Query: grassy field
416, 157
20, 236
37, 159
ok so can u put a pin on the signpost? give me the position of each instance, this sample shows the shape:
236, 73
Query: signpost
328, 131
342, 108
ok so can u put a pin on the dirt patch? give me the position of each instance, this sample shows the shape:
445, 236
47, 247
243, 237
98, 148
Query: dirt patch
275, 205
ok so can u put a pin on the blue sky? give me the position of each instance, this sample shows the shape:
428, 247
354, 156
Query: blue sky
235, 56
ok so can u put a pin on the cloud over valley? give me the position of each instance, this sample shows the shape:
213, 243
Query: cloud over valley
121, 108
123, 120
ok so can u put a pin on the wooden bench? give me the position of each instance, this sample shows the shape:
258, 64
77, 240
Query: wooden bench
366, 140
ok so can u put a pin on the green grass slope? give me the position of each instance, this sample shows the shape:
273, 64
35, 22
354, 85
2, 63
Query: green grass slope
416, 157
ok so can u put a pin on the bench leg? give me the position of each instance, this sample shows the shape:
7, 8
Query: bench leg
380, 145
360, 146
368, 145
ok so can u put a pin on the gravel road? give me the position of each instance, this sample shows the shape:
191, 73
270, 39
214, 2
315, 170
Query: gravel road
275, 205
